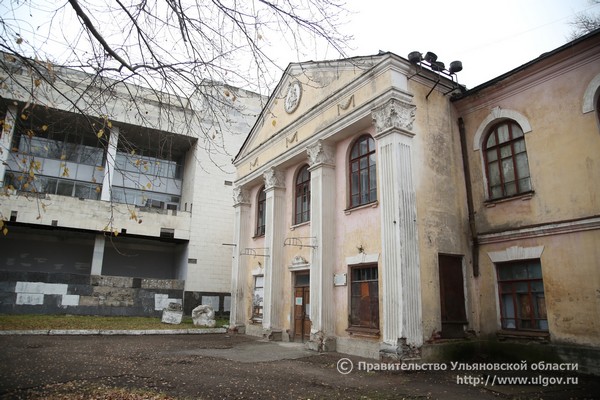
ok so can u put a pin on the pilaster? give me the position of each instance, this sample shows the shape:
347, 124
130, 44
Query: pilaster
98, 255
400, 270
274, 235
109, 167
242, 231
322, 229
8, 129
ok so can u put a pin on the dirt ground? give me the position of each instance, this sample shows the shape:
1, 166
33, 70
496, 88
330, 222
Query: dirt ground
222, 366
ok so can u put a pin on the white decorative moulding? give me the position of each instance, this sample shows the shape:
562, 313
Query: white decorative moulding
292, 97
320, 153
274, 178
394, 114
516, 253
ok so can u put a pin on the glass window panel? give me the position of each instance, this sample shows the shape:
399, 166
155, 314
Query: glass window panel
491, 140
537, 287
492, 155
510, 188
508, 306
354, 183
521, 287
372, 177
508, 170
543, 324
502, 133
519, 271
354, 152
82, 191
509, 324
65, 188
519, 146
494, 174
506, 287
363, 163
496, 192
364, 147
372, 160
516, 131
524, 185
505, 151
534, 270
522, 165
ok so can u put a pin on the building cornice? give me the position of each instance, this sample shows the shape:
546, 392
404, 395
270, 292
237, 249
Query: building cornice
547, 229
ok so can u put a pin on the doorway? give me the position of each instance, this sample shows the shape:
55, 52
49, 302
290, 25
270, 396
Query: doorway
452, 296
301, 306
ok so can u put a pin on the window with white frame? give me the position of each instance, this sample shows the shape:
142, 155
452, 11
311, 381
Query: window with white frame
506, 163
258, 298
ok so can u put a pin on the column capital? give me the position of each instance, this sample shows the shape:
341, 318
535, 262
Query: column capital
241, 196
274, 178
320, 153
394, 115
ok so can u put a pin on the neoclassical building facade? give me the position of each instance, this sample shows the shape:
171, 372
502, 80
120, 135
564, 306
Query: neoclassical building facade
381, 208
344, 174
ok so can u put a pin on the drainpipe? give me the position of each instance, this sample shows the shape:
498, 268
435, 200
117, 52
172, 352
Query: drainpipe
468, 187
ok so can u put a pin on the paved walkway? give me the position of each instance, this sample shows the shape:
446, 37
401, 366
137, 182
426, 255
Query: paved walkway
221, 366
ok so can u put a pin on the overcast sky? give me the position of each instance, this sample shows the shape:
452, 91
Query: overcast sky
489, 37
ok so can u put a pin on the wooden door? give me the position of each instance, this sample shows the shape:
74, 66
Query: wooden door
452, 296
302, 307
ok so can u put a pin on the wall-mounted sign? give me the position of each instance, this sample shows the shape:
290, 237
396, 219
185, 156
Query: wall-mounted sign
340, 280
298, 301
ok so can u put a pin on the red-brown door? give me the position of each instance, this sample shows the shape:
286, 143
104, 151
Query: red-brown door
452, 296
301, 307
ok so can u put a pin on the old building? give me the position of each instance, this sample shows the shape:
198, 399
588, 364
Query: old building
112, 205
382, 208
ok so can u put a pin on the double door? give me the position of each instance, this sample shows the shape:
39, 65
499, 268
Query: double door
301, 306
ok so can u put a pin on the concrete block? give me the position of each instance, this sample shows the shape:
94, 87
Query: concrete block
171, 317
70, 300
55, 288
88, 301
161, 301
30, 299
29, 287
111, 281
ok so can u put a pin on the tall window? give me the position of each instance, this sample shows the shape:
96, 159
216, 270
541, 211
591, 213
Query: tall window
506, 162
258, 298
363, 176
364, 297
522, 301
302, 213
261, 211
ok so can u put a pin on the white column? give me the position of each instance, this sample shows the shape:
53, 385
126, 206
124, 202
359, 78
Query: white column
8, 130
322, 230
274, 237
241, 233
98, 256
400, 270
109, 167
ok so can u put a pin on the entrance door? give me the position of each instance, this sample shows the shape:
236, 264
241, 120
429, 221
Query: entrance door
452, 296
301, 306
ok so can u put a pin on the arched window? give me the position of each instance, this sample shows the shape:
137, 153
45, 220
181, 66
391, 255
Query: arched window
507, 168
261, 206
302, 204
363, 172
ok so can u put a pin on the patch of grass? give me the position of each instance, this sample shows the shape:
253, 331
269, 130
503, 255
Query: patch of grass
80, 390
41, 322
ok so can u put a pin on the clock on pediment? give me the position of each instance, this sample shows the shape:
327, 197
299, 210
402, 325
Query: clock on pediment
292, 98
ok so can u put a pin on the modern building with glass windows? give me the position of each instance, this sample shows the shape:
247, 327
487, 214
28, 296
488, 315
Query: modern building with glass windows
384, 210
119, 210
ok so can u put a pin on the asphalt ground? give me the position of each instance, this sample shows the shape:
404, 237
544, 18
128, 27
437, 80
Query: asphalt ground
221, 366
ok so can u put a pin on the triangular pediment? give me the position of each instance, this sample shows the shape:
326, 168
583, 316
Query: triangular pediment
302, 88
